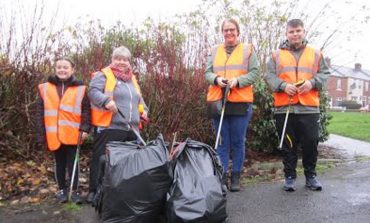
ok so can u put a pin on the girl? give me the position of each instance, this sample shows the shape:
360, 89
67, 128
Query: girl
63, 111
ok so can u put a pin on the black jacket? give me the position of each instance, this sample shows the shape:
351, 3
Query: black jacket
61, 88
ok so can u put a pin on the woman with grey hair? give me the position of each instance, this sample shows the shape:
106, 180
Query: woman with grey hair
113, 89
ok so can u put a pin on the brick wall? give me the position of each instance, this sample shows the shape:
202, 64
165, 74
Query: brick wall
336, 93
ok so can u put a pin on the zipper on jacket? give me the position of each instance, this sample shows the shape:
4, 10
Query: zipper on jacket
62, 90
297, 63
130, 113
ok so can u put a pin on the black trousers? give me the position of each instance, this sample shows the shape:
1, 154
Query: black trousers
64, 159
302, 130
100, 141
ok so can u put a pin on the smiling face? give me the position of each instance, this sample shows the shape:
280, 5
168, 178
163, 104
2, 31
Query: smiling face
295, 36
231, 33
122, 63
64, 69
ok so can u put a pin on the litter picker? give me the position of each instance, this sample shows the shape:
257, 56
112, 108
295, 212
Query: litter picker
133, 129
298, 84
75, 163
285, 123
222, 114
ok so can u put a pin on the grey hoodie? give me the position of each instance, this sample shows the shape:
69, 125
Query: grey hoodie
125, 96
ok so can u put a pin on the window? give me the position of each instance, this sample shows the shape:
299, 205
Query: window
338, 101
366, 86
339, 84
354, 98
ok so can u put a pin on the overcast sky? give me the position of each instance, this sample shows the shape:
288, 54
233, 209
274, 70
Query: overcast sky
135, 11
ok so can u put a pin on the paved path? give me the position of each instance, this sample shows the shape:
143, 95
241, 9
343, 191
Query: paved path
350, 147
345, 198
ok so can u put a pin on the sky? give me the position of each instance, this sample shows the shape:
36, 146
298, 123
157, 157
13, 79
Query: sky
353, 50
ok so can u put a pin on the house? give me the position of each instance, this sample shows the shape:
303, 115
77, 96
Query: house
350, 84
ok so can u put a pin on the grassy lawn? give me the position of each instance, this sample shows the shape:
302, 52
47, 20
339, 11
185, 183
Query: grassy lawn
355, 125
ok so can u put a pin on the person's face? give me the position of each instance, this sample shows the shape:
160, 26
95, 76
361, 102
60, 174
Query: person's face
295, 35
64, 69
122, 63
230, 33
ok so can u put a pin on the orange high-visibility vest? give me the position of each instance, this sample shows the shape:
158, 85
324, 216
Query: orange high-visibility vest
62, 117
229, 67
101, 116
292, 71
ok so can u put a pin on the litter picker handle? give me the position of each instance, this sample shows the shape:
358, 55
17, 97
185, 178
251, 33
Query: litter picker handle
132, 129
227, 90
75, 164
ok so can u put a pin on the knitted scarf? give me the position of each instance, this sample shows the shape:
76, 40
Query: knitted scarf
120, 74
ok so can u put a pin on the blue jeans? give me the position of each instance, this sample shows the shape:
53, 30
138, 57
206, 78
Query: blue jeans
233, 134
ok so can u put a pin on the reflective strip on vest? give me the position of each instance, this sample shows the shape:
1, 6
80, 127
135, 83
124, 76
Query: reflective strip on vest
50, 113
299, 69
51, 129
62, 117
291, 72
243, 66
228, 67
68, 123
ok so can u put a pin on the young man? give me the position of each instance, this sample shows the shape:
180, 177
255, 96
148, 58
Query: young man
296, 73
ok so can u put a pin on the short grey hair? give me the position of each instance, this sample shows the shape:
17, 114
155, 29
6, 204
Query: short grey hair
121, 52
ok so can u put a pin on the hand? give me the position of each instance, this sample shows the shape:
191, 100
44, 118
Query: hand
221, 82
233, 82
290, 89
111, 106
304, 88
144, 115
84, 136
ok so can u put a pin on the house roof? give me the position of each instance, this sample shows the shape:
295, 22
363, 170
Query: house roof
341, 71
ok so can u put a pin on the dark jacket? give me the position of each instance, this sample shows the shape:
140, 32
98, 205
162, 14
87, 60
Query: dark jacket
61, 88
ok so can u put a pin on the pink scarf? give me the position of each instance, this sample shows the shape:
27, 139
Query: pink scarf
119, 74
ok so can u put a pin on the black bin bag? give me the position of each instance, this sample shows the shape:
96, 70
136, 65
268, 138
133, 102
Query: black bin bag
135, 182
196, 194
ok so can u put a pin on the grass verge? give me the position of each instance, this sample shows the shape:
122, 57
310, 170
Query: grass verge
70, 206
350, 124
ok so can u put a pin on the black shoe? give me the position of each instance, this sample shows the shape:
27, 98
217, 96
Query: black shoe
62, 196
289, 184
90, 197
235, 182
313, 183
76, 198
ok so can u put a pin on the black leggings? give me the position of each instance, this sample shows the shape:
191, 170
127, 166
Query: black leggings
64, 158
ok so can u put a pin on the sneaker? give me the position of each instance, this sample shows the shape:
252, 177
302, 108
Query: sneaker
90, 197
62, 196
313, 183
289, 184
76, 198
